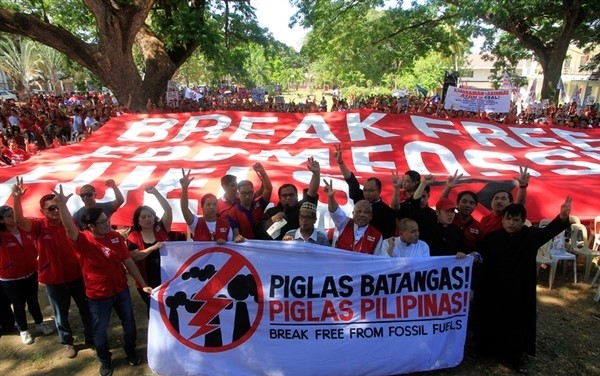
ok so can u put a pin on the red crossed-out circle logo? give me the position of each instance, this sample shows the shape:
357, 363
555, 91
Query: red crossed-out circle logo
214, 302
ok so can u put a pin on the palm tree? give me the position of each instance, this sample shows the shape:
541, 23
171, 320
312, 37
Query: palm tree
19, 59
51, 65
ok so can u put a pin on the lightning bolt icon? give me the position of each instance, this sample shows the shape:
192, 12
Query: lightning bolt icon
213, 305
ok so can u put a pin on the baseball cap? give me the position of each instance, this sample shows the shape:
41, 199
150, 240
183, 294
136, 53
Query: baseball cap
445, 204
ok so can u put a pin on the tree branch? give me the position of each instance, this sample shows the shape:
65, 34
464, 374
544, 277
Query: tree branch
418, 25
33, 27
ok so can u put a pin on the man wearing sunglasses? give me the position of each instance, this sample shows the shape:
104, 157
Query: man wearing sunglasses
88, 196
58, 267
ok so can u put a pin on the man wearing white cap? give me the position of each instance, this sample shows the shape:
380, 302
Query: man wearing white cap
307, 232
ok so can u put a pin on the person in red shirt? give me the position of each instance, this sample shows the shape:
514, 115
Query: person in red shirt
230, 195
466, 203
210, 227
404, 188
245, 216
18, 274
102, 255
58, 267
501, 199
15, 153
5, 160
146, 237
355, 234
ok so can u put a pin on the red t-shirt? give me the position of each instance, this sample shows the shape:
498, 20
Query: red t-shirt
101, 262
491, 222
224, 206
57, 260
17, 259
245, 220
472, 231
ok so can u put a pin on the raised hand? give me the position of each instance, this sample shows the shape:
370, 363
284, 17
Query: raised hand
110, 183
396, 180
428, 179
59, 197
185, 179
313, 165
329, 188
565, 208
18, 189
151, 189
523, 177
338, 154
454, 181
259, 169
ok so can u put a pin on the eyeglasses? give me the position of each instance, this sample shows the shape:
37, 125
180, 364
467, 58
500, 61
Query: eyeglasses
86, 194
52, 208
307, 217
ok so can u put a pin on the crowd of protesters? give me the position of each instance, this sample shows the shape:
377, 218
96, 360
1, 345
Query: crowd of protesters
46, 121
408, 227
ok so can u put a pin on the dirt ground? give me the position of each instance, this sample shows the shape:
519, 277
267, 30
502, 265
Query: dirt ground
568, 341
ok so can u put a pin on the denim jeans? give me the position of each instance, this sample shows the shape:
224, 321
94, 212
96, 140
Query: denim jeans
23, 292
101, 310
60, 300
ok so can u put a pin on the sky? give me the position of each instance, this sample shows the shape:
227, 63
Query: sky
275, 15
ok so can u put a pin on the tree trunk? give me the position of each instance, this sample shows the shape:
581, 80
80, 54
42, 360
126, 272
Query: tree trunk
552, 73
111, 59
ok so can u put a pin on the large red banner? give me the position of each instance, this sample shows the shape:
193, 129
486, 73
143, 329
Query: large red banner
141, 150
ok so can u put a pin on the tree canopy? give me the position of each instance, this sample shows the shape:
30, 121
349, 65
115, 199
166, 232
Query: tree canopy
134, 46
513, 30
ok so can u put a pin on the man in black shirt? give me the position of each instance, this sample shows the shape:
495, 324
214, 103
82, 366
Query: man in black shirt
383, 216
288, 207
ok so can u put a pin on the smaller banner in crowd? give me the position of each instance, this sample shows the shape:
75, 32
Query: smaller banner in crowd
172, 94
477, 100
287, 308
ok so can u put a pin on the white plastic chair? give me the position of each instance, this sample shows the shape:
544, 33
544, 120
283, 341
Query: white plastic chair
578, 246
554, 251
572, 219
596, 246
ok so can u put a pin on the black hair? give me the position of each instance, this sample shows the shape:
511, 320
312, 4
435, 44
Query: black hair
470, 193
510, 196
515, 210
91, 215
88, 186
228, 179
376, 181
414, 175
287, 185
136, 216
244, 183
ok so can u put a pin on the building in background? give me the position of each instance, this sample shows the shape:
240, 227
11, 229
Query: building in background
477, 71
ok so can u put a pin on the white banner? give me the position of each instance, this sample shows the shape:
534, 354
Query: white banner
477, 100
172, 96
285, 308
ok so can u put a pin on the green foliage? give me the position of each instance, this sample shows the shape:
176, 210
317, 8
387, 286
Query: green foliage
20, 60
359, 42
